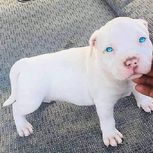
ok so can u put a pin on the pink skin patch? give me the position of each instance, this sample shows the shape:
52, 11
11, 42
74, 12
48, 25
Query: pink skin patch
94, 42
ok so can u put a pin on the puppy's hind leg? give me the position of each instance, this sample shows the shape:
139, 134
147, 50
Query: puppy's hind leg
24, 128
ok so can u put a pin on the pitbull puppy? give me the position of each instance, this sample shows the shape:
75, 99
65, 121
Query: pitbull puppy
99, 74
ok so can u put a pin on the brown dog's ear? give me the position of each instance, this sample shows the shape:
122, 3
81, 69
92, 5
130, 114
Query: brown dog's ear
93, 41
144, 22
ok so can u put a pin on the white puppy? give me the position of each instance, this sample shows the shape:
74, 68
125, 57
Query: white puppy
98, 74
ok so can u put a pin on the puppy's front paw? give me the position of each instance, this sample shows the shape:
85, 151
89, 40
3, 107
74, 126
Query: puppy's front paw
112, 139
147, 106
26, 130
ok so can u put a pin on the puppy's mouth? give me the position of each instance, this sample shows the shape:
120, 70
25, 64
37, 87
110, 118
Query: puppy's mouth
134, 76
137, 74
131, 76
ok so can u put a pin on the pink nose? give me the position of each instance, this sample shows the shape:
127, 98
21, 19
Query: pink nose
131, 62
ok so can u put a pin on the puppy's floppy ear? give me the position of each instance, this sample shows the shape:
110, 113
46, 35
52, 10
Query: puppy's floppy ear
93, 41
144, 22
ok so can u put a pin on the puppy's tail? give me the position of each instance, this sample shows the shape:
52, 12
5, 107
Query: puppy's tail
14, 74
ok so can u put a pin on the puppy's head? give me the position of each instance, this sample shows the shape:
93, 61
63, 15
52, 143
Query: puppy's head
123, 48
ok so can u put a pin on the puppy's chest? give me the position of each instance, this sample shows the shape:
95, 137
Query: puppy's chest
124, 88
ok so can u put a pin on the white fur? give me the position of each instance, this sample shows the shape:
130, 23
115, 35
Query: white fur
85, 76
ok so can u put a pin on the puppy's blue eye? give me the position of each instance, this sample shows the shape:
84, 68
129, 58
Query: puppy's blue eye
109, 49
142, 39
